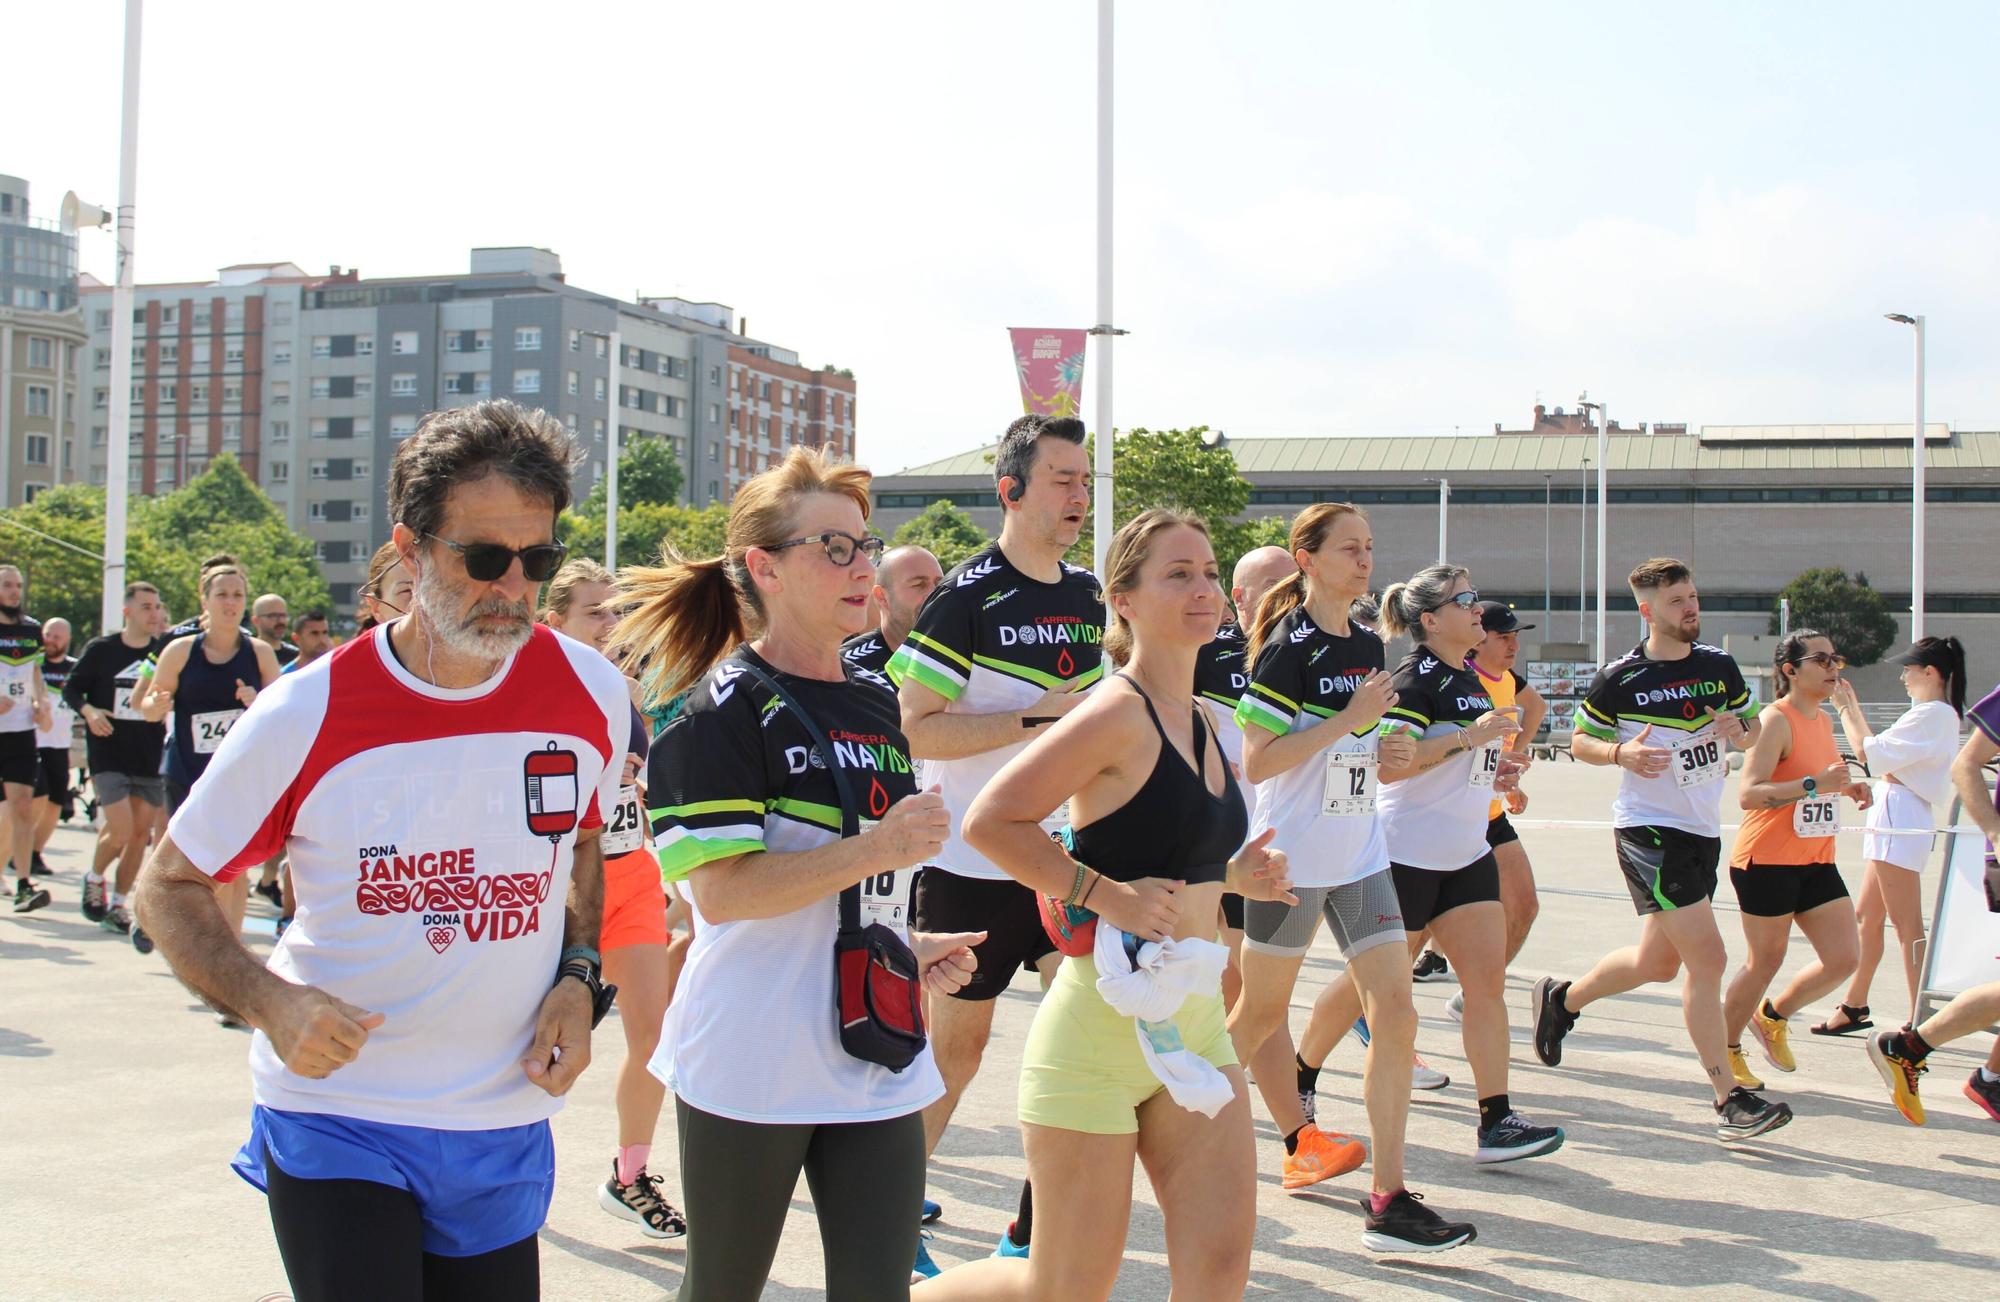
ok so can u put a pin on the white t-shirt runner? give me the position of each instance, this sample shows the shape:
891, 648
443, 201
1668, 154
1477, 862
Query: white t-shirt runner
430, 832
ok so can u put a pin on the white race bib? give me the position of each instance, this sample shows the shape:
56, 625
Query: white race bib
1485, 766
121, 704
209, 729
1698, 763
1350, 784
626, 831
17, 689
1057, 821
1816, 816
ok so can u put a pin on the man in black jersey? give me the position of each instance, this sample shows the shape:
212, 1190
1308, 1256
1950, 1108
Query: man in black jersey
907, 576
24, 708
53, 798
998, 652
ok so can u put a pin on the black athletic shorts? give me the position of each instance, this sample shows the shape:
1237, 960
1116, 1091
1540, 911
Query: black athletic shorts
1005, 910
1425, 894
20, 762
52, 778
1666, 868
1232, 910
1499, 832
1777, 890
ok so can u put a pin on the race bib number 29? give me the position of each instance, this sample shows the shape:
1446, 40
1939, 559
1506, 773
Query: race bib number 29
626, 831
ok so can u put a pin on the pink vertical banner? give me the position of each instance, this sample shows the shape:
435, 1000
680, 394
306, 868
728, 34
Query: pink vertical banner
1049, 364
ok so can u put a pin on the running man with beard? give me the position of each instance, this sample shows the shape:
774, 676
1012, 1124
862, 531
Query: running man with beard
1001, 651
1669, 829
24, 708
904, 581
440, 785
123, 749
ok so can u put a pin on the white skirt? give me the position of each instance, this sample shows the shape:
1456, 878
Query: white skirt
1899, 807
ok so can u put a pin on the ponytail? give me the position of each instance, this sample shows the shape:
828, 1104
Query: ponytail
1395, 622
1404, 604
1954, 677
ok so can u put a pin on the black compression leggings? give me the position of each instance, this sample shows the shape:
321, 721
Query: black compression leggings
346, 1239
867, 1181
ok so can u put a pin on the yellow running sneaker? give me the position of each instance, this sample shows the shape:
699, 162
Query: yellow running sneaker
1739, 1067
1321, 1156
1772, 1037
1899, 1072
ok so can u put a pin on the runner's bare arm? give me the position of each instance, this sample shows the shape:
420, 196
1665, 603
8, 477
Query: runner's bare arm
935, 734
155, 694
1968, 775
1534, 709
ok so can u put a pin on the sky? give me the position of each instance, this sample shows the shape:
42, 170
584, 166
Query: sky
1330, 219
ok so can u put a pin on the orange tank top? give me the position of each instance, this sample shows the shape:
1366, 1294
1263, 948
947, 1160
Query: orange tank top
1771, 836
1501, 689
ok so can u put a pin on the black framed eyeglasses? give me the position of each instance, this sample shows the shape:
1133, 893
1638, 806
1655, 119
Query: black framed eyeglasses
1463, 600
840, 547
485, 562
1824, 659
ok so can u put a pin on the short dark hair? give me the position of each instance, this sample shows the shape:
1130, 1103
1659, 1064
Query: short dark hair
1660, 572
315, 615
460, 445
137, 586
1016, 456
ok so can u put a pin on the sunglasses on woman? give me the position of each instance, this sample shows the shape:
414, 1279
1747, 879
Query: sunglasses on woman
485, 562
1463, 600
1824, 659
840, 547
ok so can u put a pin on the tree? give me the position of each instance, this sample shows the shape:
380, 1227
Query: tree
946, 531
1178, 469
648, 471
1849, 611
646, 528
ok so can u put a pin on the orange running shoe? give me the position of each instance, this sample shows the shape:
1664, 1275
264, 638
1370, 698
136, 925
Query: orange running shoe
1321, 1156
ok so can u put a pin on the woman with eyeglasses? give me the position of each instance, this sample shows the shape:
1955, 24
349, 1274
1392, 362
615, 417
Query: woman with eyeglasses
1911, 763
744, 807
1794, 781
1434, 818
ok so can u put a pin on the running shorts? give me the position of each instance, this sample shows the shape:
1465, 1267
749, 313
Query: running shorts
1779, 890
1899, 807
52, 778
1499, 831
1361, 915
1006, 911
478, 1190
1232, 910
1666, 868
114, 787
635, 902
1081, 1068
19, 760
1427, 894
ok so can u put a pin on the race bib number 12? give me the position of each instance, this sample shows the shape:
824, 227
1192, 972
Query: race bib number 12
1350, 784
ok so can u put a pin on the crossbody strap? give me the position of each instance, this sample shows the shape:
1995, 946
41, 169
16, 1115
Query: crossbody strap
850, 819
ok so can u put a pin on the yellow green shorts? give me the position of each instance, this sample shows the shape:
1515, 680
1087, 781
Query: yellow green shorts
1082, 1069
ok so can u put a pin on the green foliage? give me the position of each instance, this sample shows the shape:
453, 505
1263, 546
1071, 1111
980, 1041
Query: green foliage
1849, 611
946, 531
1174, 468
646, 528
648, 471
167, 537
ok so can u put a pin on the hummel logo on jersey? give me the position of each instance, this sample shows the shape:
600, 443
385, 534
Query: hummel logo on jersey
725, 682
1303, 631
862, 650
870, 676
997, 598
1427, 664
974, 573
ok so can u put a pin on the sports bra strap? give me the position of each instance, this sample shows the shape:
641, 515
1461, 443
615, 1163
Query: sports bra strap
1201, 733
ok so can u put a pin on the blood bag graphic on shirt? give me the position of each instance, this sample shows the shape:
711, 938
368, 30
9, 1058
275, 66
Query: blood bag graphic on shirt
551, 778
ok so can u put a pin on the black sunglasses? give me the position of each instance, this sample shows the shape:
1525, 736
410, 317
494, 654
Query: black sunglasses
840, 547
1824, 659
485, 562
1463, 600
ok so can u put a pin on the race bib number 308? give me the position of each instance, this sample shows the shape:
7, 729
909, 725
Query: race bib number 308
1698, 763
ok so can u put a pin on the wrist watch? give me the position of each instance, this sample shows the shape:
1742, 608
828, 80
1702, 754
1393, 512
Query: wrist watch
1810, 786
601, 995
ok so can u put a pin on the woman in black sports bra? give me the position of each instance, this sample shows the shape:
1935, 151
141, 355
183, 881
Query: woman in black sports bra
1158, 831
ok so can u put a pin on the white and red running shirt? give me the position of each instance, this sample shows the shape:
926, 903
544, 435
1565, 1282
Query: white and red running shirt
430, 832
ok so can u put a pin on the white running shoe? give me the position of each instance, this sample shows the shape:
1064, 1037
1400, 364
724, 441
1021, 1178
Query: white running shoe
1423, 1076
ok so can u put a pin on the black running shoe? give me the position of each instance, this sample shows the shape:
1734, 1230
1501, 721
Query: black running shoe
96, 900
640, 1203
140, 940
1430, 966
1986, 1093
271, 893
41, 865
1406, 1225
28, 898
1514, 1137
1744, 1115
1550, 1019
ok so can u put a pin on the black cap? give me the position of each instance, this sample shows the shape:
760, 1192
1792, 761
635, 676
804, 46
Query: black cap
1499, 617
1930, 652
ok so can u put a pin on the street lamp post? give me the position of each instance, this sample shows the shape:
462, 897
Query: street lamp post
1444, 504
1102, 484
615, 345
1548, 557
1916, 487
1603, 539
1582, 542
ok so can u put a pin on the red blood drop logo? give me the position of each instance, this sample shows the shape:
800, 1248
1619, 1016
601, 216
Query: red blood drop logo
878, 799
1064, 665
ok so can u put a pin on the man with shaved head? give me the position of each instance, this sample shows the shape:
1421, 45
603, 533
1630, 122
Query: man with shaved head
272, 619
902, 581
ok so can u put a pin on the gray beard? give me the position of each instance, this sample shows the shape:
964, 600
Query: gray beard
438, 602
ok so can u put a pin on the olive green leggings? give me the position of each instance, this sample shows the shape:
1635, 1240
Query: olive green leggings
737, 1178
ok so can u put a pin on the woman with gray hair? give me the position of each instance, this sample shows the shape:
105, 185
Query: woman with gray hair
1434, 817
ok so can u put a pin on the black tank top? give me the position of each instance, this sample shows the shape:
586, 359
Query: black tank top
1171, 827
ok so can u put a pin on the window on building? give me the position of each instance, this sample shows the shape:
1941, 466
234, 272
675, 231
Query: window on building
401, 427
603, 346
198, 393
32, 490
784, 397
358, 510
281, 352
170, 316
322, 386
281, 431
572, 384
715, 376
41, 352
714, 450
527, 339
40, 396
318, 427
102, 321
167, 395
101, 399
202, 318
715, 413
232, 433
482, 341
232, 314
35, 449
360, 470
232, 352
364, 345
97, 435
597, 388
364, 386
403, 385
527, 381
316, 469
364, 428
403, 343
714, 491
316, 511
203, 354
232, 393
170, 352
322, 346
281, 393
597, 430
100, 359
453, 383
576, 341
482, 382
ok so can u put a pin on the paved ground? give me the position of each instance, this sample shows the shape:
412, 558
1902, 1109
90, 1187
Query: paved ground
124, 1104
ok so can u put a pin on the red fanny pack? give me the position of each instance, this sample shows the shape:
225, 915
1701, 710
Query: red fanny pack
878, 988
